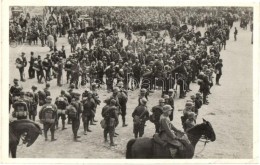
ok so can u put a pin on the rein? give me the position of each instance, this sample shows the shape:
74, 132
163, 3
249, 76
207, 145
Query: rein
203, 139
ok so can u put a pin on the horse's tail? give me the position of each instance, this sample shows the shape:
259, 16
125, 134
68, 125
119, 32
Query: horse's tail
129, 148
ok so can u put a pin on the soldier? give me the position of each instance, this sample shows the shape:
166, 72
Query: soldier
88, 111
61, 103
48, 116
44, 94
122, 98
110, 118
218, 71
31, 71
63, 52
190, 122
92, 72
198, 103
143, 94
137, 72
34, 103
59, 76
74, 110
40, 74
171, 103
140, 115
21, 63
235, 34
68, 67
21, 107
15, 90
110, 73
47, 64
155, 117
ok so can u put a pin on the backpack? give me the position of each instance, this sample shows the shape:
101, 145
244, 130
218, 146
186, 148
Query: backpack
72, 112
61, 103
20, 109
48, 114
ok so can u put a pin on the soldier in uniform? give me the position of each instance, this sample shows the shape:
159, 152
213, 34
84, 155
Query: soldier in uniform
171, 103
48, 116
31, 71
15, 90
61, 103
34, 103
143, 94
40, 73
59, 76
68, 67
110, 73
157, 111
89, 106
76, 121
122, 98
137, 72
140, 115
21, 64
218, 71
109, 113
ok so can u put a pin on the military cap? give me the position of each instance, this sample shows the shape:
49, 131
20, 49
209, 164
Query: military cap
48, 98
120, 84
192, 97
23, 53
166, 97
22, 93
171, 90
161, 100
143, 90
192, 115
167, 108
16, 80
189, 104
72, 85
116, 89
113, 101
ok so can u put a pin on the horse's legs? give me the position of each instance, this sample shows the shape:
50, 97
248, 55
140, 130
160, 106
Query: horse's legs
13, 149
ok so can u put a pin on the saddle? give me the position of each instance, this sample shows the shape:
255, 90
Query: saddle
185, 150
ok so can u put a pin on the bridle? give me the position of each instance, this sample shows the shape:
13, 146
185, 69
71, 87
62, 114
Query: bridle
203, 139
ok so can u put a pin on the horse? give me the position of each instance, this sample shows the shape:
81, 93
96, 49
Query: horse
17, 129
147, 148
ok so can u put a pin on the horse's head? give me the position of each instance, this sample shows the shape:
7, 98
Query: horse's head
34, 130
208, 130
28, 129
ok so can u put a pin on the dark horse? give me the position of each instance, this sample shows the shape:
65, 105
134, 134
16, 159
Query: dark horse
146, 148
17, 128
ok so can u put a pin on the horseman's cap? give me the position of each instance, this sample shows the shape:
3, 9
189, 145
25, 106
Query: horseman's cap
167, 108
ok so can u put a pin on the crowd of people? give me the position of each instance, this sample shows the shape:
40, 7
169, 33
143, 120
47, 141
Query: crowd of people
103, 58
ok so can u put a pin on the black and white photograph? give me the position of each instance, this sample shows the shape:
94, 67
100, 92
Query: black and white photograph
130, 82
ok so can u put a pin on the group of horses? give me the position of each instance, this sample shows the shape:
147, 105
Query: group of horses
142, 148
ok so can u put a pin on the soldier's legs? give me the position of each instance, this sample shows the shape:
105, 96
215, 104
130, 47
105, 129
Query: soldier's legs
59, 79
141, 129
123, 110
45, 130
136, 130
105, 134
21, 71
111, 136
52, 129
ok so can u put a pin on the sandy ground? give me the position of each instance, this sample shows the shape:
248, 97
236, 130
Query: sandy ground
230, 111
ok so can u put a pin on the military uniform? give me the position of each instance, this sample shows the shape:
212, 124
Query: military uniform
48, 124
76, 121
89, 106
143, 115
